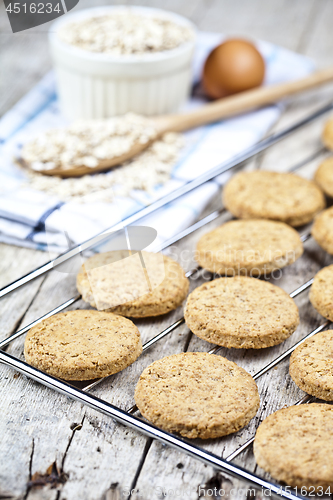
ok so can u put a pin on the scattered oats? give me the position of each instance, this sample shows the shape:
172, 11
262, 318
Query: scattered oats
145, 171
124, 33
87, 142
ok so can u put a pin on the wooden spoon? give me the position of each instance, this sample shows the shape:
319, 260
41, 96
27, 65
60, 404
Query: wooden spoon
214, 111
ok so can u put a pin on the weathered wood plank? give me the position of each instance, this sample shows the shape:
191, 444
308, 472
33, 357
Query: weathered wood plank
277, 21
318, 43
15, 262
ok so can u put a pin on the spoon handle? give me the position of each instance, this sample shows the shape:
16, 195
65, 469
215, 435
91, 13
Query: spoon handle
240, 103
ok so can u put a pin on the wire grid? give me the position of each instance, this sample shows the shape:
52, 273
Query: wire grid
127, 417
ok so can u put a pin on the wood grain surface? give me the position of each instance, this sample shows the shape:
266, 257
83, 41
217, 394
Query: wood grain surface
53, 448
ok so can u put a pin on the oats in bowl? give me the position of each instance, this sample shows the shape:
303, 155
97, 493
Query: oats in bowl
125, 32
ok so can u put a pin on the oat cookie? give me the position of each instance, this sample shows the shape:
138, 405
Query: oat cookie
324, 176
311, 366
249, 247
241, 312
327, 135
321, 292
83, 345
322, 230
295, 445
198, 395
118, 282
271, 195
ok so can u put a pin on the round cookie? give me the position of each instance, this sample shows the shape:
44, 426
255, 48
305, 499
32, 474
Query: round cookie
249, 247
83, 345
324, 176
311, 366
197, 395
241, 312
321, 292
139, 285
327, 135
322, 230
295, 445
271, 195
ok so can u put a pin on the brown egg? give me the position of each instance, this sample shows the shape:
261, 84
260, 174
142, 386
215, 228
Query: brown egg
232, 67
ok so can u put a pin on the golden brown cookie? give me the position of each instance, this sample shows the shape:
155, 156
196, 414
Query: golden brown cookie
322, 230
139, 285
324, 176
271, 195
321, 292
249, 247
241, 312
83, 345
295, 445
311, 366
198, 395
327, 135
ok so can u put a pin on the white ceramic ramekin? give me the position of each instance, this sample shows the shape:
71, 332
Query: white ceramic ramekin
98, 85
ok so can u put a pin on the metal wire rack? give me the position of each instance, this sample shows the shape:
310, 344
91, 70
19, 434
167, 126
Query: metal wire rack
127, 417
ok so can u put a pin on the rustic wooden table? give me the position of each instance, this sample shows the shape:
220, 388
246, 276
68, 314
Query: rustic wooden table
92, 457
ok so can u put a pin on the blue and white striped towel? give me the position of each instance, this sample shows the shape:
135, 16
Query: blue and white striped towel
24, 212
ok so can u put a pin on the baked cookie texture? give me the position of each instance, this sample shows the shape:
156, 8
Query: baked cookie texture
324, 175
249, 247
139, 285
197, 395
241, 312
322, 230
327, 135
311, 366
321, 292
295, 445
284, 197
83, 345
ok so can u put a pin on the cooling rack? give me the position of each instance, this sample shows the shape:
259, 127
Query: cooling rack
177, 193
128, 417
